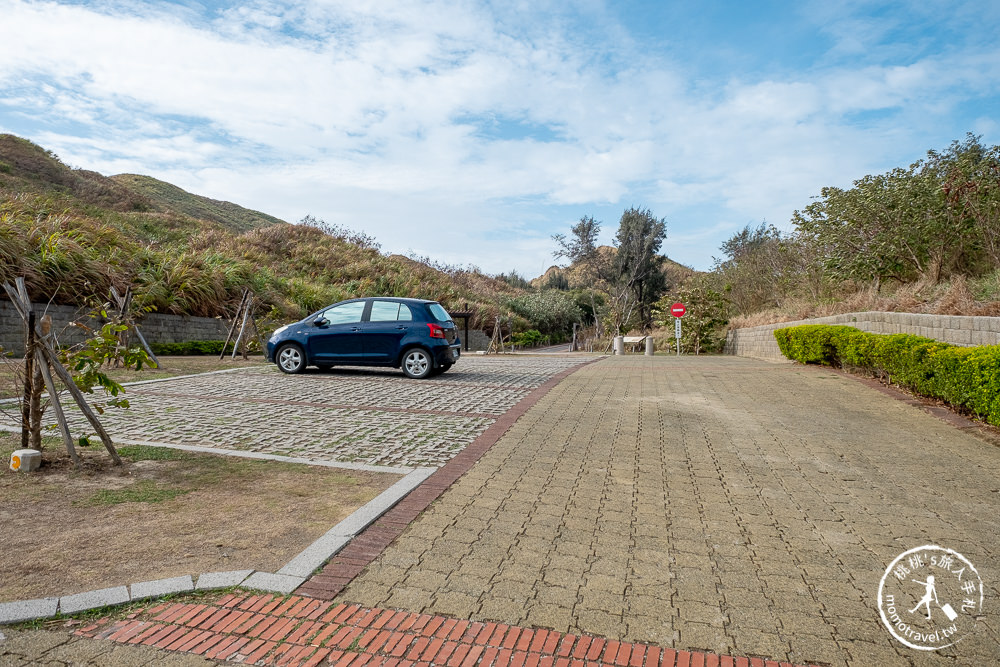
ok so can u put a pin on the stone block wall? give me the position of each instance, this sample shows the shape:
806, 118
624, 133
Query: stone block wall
156, 328
955, 329
478, 340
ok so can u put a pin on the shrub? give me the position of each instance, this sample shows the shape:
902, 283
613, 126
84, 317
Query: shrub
966, 377
551, 311
528, 338
191, 347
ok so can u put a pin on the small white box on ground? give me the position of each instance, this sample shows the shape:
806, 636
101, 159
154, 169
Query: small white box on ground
25, 460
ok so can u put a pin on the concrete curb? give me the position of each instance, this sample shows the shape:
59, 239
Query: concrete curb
6, 401
334, 540
286, 580
70, 604
272, 583
26, 610
160, 587
213, 580
341, 465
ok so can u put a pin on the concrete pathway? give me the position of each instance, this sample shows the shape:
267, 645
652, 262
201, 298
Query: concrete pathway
711, 503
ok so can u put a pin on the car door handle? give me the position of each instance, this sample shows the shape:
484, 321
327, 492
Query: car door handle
355, 328
403, 328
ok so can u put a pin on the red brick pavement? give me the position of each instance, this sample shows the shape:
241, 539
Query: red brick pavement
298, 631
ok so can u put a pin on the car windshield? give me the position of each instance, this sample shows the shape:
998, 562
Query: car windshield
439, 313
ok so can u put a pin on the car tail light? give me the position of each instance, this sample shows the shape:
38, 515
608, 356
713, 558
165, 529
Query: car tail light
436, 330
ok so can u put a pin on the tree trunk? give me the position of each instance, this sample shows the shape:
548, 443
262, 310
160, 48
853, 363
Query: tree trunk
35, 406
29, 376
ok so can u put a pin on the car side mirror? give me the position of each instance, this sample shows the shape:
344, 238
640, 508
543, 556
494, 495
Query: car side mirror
320, 321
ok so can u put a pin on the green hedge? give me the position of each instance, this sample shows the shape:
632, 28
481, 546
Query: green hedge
191, 347
966, 377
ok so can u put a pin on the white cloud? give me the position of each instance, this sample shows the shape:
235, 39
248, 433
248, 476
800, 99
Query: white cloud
391, 116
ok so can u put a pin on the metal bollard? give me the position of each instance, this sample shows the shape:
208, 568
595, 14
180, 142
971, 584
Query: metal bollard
649, 346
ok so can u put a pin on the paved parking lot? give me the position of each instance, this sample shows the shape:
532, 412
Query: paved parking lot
712, 503
715, 505
348, 415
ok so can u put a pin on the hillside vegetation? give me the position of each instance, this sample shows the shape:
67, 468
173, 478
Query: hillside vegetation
922, 238
73, 234
572, 276
170, 198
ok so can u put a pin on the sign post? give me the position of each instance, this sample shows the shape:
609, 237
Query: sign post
678, 310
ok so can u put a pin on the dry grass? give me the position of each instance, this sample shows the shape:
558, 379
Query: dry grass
954, 297
164, 513
71, 234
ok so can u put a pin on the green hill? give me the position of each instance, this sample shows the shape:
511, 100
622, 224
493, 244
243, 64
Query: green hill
167, 197
28, 167
72, 234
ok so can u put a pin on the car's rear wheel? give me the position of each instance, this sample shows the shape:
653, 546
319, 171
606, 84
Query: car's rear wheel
417, 363
291, 358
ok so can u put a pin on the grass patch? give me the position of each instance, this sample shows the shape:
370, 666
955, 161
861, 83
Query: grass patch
145, 491
147, 453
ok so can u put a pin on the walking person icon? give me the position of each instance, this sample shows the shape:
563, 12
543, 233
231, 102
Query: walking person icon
929, 594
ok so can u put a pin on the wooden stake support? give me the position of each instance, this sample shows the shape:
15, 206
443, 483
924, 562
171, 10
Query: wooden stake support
124, 303
496, 345
242, 318
46, 357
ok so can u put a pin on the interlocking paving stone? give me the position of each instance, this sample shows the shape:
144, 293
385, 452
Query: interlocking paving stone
702, 503
375, 417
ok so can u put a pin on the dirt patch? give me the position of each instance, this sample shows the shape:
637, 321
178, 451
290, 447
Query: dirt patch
163, 513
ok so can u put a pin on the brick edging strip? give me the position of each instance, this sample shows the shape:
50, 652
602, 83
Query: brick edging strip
369, 544
300, 631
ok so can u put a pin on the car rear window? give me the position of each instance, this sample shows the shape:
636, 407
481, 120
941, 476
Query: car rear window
439, 313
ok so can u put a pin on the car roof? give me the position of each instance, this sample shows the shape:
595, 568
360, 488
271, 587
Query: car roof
400, 299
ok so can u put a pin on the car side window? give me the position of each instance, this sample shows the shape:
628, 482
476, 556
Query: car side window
405, 314
384, 311
345, 313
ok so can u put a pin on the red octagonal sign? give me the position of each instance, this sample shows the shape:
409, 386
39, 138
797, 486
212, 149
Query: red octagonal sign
678, 309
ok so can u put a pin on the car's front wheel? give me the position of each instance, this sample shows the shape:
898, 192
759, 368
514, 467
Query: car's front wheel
417, 363
291, 358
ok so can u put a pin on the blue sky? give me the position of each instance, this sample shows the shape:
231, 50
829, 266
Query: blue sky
471, 132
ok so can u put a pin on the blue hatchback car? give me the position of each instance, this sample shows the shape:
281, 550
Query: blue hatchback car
415, 335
